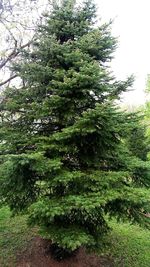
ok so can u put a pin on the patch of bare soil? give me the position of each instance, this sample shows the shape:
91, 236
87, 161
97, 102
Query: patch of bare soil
38, 255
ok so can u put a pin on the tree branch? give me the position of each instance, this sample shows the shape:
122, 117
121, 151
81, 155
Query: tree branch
13, 54
8, 80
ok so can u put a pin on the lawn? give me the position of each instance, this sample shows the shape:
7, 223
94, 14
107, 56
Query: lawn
128, 245
14, 237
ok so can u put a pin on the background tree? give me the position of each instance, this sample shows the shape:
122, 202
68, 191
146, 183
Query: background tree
146, 111
18, 20
64, 158
138, 144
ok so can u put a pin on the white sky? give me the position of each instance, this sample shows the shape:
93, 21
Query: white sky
132, 26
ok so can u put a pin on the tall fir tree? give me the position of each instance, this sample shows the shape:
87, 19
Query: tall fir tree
64, 159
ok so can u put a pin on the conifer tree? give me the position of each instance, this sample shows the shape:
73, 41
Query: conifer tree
64, 159
138, 144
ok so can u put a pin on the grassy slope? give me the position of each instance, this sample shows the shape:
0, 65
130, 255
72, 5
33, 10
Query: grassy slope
14, 236
129, 245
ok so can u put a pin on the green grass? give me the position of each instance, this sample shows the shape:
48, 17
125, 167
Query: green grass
14, 237
129, 246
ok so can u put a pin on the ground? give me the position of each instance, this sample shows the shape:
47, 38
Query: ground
20, 246
38, 255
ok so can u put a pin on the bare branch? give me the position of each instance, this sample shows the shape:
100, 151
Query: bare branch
18, 19
14, 53
147, 215
8, 80
7, 28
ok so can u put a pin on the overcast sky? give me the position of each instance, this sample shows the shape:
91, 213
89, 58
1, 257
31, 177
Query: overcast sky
132, 26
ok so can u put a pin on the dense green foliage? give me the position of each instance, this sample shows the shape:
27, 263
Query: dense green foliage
64, 158
138, 144
147, 109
